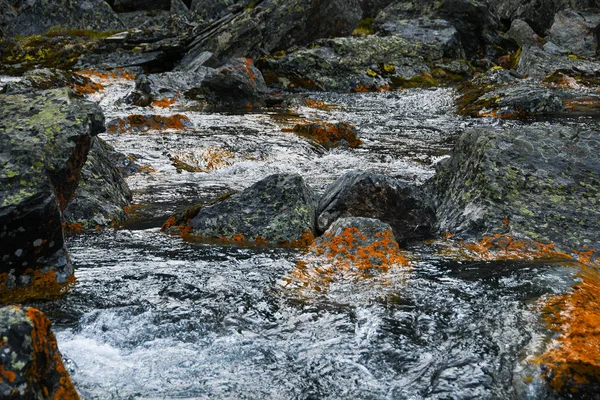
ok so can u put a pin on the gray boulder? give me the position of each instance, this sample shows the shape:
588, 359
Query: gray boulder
39, 16
32, 366
102, 195
577, 31
7, 14
523, 34
44, 79
535, 62
280, 209
212, 10
44, 141
363, 194
275, 25
535, 181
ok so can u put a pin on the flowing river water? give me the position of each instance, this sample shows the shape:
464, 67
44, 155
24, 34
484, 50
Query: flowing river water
154, 316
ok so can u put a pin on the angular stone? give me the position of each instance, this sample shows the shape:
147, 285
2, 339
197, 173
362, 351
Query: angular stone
577, 31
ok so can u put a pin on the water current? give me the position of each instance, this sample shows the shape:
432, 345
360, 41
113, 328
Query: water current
154, 316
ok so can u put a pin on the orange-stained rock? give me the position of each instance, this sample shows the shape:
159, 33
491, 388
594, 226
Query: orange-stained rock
30, 363
329, 134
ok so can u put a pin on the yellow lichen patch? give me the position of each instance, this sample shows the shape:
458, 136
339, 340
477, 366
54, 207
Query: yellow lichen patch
328, 134
47, 359
43, 285
572, 360
502, 247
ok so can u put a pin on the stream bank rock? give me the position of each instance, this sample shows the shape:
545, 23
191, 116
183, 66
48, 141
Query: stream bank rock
364, 194
280, 209
274, 25
31, 363
102, 197
535, 181
578, 32
44, 141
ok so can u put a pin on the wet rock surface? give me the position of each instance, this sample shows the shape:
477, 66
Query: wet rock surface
102, 196
44, 79
32, 366
363, 194
45, 140
576, 31
279, 210
538, 182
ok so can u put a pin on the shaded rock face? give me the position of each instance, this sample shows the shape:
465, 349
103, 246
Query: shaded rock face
523, 34
371, 8
279, 209
275, 25
538, 14
363, 194
576, 31
44, 141
7, 14
540, 182
211, 10
39, 16
140, 5
474, 21
31, 363
102, 195
238, 84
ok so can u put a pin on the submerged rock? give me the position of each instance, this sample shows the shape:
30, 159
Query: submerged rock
31, 364
237, 84
364, 194
44, 141
535, 181
280, 209
39, 16
274, 25
102, 197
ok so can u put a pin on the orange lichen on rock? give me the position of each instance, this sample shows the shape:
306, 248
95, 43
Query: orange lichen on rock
502, 247
360, 88
8, 375
248, 65
47, 359
42, 285
73, 228
321, 105
572, 361
145, 123
164, 103
205, 160
329, 134
88, 88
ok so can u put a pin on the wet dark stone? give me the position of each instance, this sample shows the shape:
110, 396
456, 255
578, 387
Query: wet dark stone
102, 195
139, 5
31, 363
43, 79
364, 194
536, 181
280, 209
44, 141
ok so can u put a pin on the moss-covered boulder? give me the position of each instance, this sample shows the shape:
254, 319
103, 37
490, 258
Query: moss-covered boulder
363, 194
44, 141
39, 16
31, 364
102, 197
273, 25
279, 210
537, 181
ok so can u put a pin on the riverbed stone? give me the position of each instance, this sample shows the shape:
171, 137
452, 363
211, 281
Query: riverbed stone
540, 182
44, 79
577, 31
279, 209
369, 195
44, 141
102, 197
32, 366
39, 16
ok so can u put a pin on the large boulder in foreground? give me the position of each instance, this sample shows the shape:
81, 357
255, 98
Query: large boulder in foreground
44, 141
537, 181
31, 364
39, 16
280, 209
102, 197
275, 25
364, 194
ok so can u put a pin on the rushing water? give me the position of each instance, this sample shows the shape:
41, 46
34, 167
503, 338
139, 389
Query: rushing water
153, 316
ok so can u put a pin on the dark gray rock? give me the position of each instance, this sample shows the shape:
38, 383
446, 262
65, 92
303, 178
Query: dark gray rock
371, 8
43, 79
44, 141
102, 195
39, 16
363, 194
212, 10
537, 63
140, 5
275, 25
31, 363
577, 31
279, 209
523, 34
538, 181
236, 85
7, 14
474, 21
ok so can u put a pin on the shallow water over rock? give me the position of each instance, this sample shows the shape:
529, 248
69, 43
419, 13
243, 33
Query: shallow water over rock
153, 316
